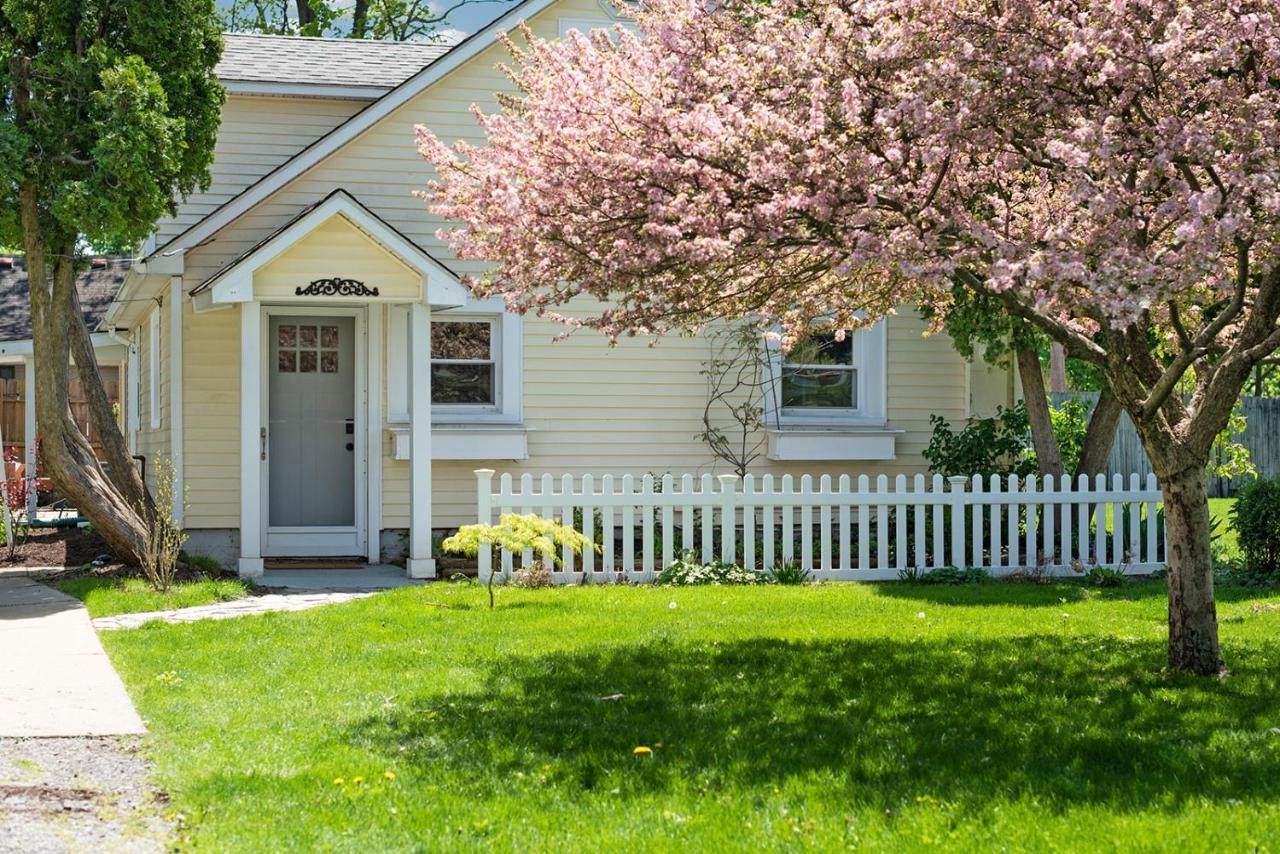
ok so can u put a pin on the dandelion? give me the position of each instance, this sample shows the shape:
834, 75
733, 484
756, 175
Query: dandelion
338, 781
390, 775
356, 781
672, 606
642, 751
920, 615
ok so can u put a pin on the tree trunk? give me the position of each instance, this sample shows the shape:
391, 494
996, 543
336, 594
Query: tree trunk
1057, 367
1193, 616
1046, 444
360, 19
67, 455
1099, 436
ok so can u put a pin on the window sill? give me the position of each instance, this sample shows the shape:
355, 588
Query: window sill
477, 440
832, 442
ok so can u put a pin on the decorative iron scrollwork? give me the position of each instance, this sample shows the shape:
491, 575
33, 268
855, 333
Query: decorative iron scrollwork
335, 288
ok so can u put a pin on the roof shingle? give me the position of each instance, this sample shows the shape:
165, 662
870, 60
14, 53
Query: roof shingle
253, 58
97, 287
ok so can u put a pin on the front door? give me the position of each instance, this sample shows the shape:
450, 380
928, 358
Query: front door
311, 398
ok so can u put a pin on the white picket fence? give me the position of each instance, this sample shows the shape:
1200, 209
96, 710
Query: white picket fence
835, 530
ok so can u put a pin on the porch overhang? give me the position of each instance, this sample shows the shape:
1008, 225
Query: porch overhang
242, 280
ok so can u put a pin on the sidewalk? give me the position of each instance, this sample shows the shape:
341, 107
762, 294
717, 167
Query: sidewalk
55, 679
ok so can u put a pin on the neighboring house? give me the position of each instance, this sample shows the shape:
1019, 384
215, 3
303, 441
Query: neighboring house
323, 381
96, 286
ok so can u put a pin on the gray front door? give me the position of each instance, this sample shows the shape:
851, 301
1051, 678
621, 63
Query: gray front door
311, 400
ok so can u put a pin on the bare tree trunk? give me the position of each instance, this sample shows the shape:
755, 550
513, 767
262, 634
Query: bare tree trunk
1193, 616
68, 457
1046, 444
1099, 436
1057, 367
359, 19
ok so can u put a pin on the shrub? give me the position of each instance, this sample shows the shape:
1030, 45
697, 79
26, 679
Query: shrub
1070, 423
688, 570
164, 538
1255, 516
1103, 576
203, 564
985, 446
949, 575
790, 572
515, 533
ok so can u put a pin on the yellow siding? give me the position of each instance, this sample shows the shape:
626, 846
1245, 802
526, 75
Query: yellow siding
589, 408
337, 248
257, 134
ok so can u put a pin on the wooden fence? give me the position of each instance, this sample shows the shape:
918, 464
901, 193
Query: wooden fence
13, 408
835, 530
1261, 437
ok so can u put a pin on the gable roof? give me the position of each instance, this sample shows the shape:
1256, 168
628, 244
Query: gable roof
235, 280
353, 127
297, 61
97, 287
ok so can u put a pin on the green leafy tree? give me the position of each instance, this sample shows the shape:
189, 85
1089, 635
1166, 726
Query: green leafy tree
398, 20
108, 112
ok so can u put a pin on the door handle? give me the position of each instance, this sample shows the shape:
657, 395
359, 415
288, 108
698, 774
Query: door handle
262, 433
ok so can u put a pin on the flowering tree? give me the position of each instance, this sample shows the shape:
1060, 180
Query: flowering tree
1109, 170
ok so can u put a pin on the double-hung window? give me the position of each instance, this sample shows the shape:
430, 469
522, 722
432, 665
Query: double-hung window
820, 374
464, 363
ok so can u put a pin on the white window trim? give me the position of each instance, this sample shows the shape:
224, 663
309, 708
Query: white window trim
134, 401
871, 362
507, 353
153, 366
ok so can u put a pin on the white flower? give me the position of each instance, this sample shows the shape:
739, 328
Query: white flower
920, 616
672, 605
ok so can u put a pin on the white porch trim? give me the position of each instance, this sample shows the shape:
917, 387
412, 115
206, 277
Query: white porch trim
252, 440
373, 432
176, 298
29, 437
420, 563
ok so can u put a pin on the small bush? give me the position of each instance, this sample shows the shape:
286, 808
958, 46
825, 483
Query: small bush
790, 572
950, 575
1103, 576
203, 564
532, 577
985, 446
1255, 516
688, 570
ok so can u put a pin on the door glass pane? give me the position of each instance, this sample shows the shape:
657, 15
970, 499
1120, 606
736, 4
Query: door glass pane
329, 336
462, 383
287, 362
328, 361
307, 362
287, 336
307, 336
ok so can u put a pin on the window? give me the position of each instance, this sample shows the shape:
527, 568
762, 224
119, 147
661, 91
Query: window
463, 363
475, 364
153, 352
825, 383
820, 373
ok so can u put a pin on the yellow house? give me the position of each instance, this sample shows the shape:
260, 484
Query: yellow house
302, 347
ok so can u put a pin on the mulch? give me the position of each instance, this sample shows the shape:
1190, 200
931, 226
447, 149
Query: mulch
56, 547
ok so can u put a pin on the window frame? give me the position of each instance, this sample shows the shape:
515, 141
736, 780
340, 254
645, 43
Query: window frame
495, 359
870, 366
506, 349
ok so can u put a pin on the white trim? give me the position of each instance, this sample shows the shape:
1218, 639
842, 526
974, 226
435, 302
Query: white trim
465, 441
320, 539
29, 428
176, 455
133, 392
847, 443
508, 344
420, 563
354, 126
12, 352
373, 435
870, 358
250, 442
234, 283
304, 90
153, 367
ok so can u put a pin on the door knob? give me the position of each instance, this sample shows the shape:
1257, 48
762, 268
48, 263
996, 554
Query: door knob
351, 446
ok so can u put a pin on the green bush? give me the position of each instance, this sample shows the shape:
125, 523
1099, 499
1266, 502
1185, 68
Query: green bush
947, 575
1103, 576
790, 572
1255, 516
688, 570
985, 446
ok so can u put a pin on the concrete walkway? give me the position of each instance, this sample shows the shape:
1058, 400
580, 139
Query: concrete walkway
55, 679
235, 608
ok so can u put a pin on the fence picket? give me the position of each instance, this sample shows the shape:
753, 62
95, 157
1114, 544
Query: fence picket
1000, 524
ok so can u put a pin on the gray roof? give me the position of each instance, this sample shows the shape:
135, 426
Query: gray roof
253, 58
98, 285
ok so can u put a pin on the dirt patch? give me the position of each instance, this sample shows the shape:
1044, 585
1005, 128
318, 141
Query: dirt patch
78, 794
56, 547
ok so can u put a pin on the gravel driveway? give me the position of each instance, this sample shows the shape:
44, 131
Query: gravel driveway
78, 794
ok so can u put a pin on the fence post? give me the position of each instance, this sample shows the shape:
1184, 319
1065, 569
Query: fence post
957, 521
728, 518
484, 515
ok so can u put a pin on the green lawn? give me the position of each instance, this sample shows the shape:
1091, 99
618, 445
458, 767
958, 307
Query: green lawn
107, 595
898, 716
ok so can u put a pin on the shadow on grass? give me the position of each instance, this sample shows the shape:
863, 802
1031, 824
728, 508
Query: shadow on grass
1032, 594
1063, 720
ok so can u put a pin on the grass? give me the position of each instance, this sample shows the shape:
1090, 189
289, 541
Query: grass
104, 596
898, 716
